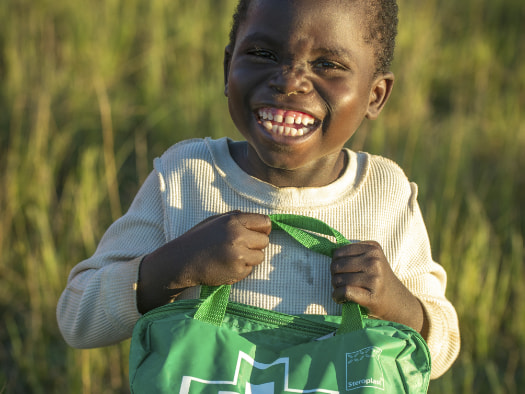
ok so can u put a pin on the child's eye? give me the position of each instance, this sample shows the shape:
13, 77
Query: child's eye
263, 54
328, 65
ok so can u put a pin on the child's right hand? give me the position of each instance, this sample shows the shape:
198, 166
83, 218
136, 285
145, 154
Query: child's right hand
222, 249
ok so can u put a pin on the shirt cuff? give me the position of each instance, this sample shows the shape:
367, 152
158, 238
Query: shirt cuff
119, 285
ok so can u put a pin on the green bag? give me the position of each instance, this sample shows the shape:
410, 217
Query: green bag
215, 346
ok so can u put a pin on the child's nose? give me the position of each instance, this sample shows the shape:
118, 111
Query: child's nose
291, 80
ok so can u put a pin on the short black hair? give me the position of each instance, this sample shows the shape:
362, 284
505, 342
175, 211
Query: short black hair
382, 20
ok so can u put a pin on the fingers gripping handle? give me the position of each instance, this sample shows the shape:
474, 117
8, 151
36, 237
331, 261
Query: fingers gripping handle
309, 232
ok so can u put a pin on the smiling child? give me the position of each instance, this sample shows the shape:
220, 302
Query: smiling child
300, 78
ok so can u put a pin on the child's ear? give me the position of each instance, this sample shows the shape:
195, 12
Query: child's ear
227, 60
379, 94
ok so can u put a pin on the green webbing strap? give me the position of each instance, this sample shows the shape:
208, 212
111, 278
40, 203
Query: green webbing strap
295, 226
310, 233
213, 308
306, 230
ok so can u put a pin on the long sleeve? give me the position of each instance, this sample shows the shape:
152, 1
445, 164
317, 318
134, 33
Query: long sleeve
98, 305
427, 281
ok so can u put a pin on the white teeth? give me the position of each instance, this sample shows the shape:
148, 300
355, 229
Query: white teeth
290, 126
285, 130
267, 125
307, 121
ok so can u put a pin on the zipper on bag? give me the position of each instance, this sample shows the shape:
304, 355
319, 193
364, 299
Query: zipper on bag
295, 322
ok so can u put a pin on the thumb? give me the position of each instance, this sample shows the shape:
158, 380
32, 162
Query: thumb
255, 222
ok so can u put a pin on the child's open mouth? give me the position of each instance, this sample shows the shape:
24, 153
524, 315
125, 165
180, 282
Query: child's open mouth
286, 123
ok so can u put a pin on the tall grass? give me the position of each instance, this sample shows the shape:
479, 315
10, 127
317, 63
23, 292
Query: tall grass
90, 93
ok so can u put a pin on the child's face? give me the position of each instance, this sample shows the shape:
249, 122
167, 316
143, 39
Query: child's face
300, 81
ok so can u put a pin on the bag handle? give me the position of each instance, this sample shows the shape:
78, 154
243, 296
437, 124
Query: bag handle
310, 233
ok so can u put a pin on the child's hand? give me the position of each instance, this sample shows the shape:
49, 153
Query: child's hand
222, 249
362, 274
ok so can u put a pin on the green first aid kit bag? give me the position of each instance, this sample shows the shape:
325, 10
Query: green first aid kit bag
212, 345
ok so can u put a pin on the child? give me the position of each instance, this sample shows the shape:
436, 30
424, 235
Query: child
300, 77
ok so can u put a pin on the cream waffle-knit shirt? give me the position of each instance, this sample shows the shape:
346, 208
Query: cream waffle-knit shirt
194, 179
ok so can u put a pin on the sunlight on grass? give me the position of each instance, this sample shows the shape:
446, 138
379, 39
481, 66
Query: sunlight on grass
90, 94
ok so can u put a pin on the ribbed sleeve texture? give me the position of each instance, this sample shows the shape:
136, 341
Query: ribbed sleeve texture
195, 179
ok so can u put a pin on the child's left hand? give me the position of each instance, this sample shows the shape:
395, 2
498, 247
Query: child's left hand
362, 274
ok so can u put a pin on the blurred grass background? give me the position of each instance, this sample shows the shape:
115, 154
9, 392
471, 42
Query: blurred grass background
91, 92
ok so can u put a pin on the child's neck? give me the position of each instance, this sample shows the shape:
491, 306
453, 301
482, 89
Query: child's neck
321, 174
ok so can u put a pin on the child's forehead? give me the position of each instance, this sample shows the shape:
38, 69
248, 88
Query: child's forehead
307, 6
322, 10
339, 18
